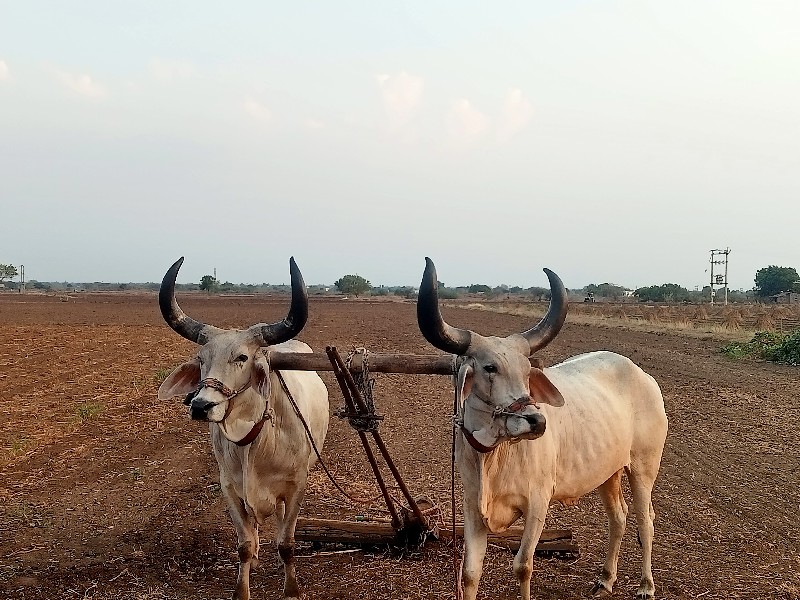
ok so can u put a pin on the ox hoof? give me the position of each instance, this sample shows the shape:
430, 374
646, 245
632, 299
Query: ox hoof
642, 596
599, 590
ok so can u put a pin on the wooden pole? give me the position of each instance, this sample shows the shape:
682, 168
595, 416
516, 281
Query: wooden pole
371, 533
412, 364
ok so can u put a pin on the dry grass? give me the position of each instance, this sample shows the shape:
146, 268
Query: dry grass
726, 323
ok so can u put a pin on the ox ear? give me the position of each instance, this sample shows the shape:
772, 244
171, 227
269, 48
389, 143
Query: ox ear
464, 381
542, 390
181, 381
259, 379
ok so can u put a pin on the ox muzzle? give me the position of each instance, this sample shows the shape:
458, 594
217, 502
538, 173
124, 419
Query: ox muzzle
199, 406
522, 425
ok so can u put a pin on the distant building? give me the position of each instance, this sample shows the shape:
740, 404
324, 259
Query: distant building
786, 298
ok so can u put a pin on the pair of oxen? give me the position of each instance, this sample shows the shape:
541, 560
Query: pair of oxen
530, 437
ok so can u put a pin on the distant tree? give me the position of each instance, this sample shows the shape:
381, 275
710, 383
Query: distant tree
539, 293
478, 288
208, 283
605, 290
405, 292
446, 293
353, 284
7, 272
666, 292
773, 280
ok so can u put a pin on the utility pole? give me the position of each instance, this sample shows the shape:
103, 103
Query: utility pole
22, 279
719, 279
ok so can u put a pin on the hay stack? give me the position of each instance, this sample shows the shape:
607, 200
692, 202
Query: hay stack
764, 322
620, 313
651, 315
732, 320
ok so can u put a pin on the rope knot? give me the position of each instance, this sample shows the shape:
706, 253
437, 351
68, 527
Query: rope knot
365, 421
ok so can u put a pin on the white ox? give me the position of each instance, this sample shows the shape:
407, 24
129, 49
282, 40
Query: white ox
533, 437
260, 444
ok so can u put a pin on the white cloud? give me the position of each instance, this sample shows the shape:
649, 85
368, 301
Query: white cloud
464, 122
83, 85
401, 95
517, 113
257, 110
313, 124
170, 70
4, 71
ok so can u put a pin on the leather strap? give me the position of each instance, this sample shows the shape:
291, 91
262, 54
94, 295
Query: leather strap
473, 442
520, 404
254, 431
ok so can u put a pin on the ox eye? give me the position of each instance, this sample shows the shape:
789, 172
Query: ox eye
490, 368
241, 358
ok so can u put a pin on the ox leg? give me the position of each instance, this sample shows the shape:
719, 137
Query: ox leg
617, 511
523, 561
247, 538
475, 536
286, 517
642, 489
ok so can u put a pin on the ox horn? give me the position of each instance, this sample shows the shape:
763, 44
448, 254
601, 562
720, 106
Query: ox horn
543, 333
429, 317
182, 323
276, 333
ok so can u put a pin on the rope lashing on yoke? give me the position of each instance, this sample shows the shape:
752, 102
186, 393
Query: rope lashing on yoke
365, 420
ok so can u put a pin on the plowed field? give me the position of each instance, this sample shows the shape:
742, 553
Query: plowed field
107, 493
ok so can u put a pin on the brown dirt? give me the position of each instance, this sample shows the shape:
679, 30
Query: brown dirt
107, 493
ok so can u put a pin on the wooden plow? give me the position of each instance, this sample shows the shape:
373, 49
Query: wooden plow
420, 520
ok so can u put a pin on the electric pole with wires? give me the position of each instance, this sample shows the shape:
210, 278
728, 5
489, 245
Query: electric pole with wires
720, 279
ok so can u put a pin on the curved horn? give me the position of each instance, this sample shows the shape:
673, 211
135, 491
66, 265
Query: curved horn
182, 323
276, 333
547, 329
429, 318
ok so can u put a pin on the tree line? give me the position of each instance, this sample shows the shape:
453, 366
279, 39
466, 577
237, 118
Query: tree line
769, 281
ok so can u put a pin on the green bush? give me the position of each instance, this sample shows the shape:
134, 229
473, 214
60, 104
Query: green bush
788, 351
765, 345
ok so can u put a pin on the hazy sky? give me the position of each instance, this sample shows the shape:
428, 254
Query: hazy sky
611, 141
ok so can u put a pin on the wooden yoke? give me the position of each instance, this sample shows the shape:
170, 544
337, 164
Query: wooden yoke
411, 364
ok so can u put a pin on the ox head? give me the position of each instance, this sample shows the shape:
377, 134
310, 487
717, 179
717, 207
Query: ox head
229, 362
500, 389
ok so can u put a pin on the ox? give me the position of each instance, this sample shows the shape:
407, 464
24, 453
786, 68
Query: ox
533, 437
261, 445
